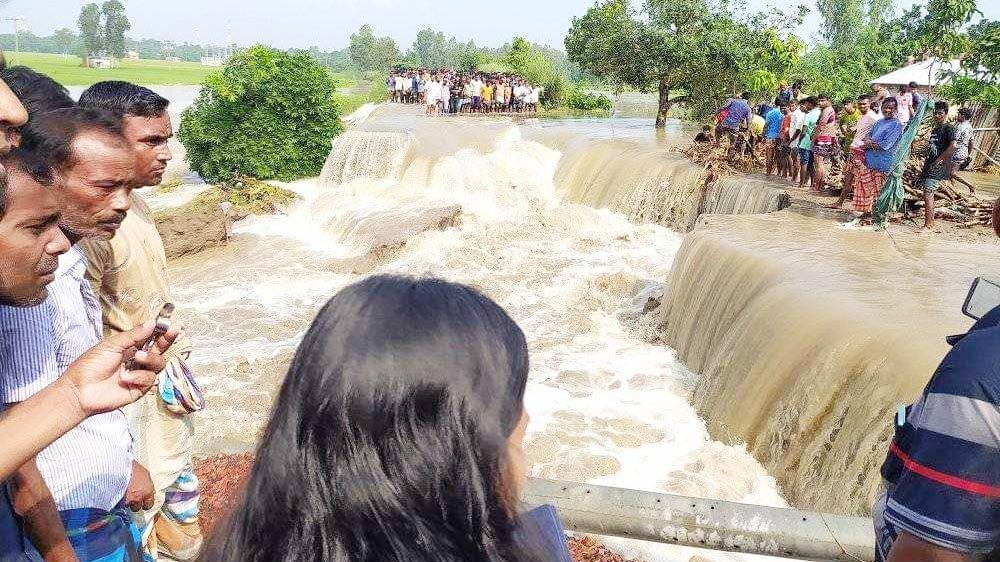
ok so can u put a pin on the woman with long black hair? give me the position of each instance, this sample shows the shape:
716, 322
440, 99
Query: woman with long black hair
396, 436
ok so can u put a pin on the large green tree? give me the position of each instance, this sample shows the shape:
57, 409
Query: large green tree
362, 48
91, 34
430, 49
691, 46
372, 54
115, 25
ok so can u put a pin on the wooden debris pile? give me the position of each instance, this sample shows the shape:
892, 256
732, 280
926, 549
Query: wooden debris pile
950, 203
958, 204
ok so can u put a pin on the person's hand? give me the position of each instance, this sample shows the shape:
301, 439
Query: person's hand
139, 494
99, 380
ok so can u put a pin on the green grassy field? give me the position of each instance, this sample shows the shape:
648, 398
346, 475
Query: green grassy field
67, 70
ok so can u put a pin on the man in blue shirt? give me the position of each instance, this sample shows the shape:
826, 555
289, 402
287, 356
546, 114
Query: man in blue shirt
737, 113
772, 130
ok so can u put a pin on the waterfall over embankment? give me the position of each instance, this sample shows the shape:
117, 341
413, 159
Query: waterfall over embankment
736, 195
637, 176
807, 336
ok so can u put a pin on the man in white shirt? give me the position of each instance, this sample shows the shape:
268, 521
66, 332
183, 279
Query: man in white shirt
477, 93
795, 137
433, 95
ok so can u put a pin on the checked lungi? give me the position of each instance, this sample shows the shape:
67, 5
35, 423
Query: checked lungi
867, 185
102, 536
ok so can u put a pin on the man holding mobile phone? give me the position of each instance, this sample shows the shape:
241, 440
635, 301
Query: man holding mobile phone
942, 473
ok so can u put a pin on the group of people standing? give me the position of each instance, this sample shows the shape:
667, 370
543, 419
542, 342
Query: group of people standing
103, 472
447, 91
805, 135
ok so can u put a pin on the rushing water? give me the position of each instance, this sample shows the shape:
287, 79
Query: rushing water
492, 204
808, 336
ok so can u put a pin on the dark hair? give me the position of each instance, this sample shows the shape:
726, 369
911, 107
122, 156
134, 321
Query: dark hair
124, 98
38, 93
822, 97
865, 97
965, 112
810, 100
913, 84
26, 163
388, 439
941, 106
746, 96
53, 132
797, 84
892, 101
706, 128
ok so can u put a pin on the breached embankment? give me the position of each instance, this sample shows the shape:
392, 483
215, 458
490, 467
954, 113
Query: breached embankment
807, 337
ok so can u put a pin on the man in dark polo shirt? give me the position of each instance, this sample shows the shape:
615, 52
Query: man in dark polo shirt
943, 469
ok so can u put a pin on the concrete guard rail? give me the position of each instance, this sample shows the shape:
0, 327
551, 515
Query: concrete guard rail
701, 523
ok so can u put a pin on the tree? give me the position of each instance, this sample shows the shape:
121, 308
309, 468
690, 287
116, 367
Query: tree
267, 115
91, 34
430, 49
842, 20
64, 40
115, 25
386, 54
363, 48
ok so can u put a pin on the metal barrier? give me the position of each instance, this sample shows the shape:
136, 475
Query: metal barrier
701, 523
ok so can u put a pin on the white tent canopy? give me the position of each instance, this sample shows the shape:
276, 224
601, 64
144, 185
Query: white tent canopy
919, 72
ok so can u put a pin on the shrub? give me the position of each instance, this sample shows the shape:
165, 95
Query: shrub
267, 115
579, 99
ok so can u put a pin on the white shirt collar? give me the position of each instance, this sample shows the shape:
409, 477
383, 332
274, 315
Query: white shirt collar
72, 263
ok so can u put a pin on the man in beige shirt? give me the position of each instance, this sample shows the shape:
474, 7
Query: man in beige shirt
129, 272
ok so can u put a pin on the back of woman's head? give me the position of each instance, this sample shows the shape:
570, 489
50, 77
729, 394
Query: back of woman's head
389, 437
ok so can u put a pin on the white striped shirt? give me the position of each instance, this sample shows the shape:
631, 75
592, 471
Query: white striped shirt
90, 466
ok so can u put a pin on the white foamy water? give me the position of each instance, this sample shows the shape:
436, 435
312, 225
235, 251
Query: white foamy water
606, 406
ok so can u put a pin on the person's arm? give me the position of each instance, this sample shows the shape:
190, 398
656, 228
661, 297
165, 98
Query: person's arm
140, 491
96, 382
909, 548
34, 504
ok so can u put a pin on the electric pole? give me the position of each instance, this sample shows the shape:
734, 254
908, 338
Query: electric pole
17, 32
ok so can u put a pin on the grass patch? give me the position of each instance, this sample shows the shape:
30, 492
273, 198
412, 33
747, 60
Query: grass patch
169, 186
563, 112
67, 70
250, 196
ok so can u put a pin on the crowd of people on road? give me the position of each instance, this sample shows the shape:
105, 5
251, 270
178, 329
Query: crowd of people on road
804, 135
446, 91
398, 431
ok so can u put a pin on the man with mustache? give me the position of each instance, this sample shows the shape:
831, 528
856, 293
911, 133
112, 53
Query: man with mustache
129, 273
89, 469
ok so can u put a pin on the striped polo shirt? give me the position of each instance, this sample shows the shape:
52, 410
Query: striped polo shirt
943, 469
90, 466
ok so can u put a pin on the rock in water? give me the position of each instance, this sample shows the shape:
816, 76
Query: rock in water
202, 223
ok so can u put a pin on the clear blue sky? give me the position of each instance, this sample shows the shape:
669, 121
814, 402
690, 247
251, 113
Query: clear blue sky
329, 23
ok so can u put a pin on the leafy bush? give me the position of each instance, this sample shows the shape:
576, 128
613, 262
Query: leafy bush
579, 99
267, 115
